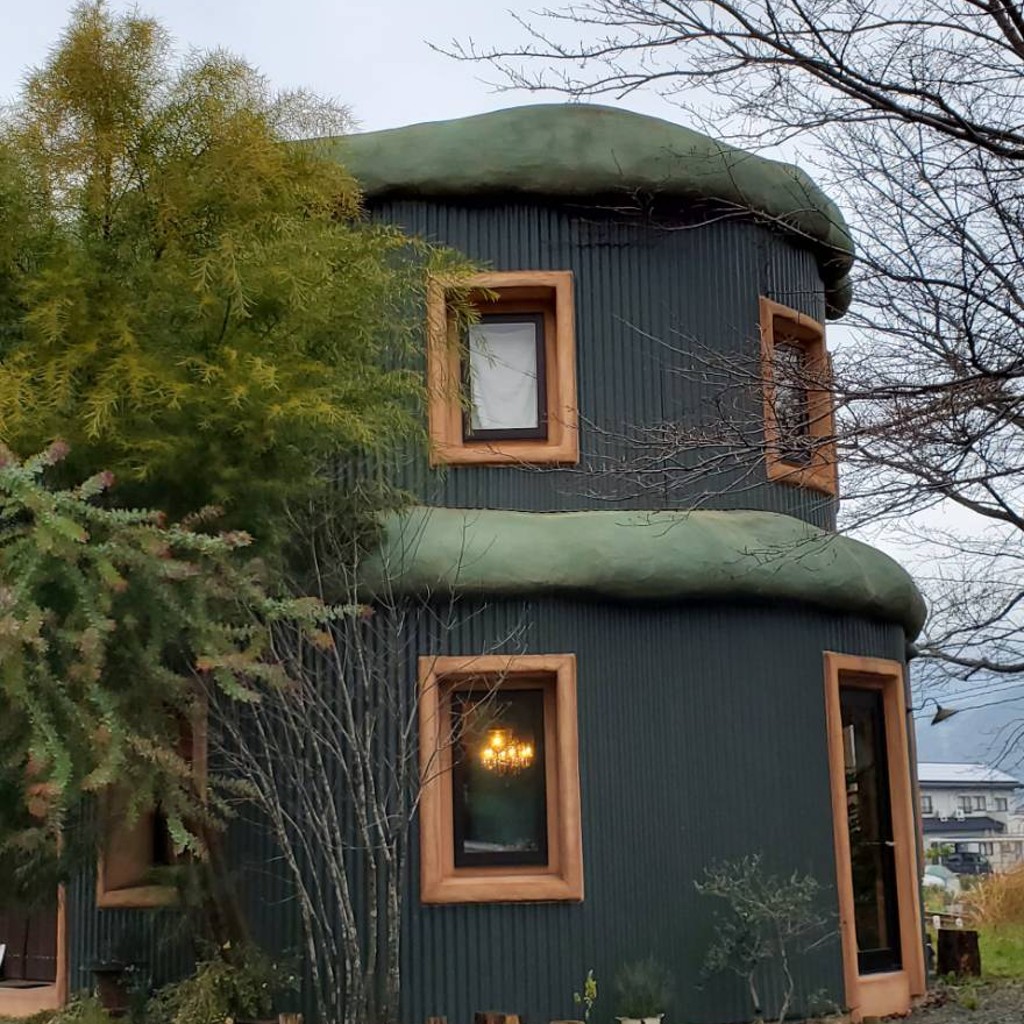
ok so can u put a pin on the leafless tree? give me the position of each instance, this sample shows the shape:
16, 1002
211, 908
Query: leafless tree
913, 114
328, 766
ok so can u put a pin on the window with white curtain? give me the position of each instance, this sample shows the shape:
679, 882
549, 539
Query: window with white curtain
506, 377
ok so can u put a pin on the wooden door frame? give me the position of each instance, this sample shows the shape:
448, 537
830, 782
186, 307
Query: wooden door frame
876, 995
26, 1002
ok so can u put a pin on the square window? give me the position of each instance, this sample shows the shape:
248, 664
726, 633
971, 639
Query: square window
926, 805
979, 803
1001, 804
504, 392
500, 801
798, 412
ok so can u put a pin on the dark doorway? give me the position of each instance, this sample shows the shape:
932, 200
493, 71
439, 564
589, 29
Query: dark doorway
31, 940
872, 846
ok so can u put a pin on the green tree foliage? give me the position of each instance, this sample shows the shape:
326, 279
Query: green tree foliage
186, 297
767, 920
115, 627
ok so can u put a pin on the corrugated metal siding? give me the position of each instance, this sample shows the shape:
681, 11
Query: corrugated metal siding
702, 737
656, 303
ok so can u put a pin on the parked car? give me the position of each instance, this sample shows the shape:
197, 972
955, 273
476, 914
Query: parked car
966, 862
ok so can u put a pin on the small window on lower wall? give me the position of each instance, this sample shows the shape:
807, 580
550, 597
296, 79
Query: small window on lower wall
136, 847
133, 852
500, 800
799, 424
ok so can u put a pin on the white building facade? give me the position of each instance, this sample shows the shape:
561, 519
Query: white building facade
972, 808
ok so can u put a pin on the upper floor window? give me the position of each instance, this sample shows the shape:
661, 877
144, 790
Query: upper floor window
505, 391
980, 803
963, 803
1001, 803
926, 805
798, 410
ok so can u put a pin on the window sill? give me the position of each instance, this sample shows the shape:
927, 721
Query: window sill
142, 897
821, 478
498, 453
497, 886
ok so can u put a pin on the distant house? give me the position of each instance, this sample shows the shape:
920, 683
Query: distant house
972, 808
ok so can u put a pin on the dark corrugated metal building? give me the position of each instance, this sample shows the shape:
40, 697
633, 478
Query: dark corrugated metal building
659, 657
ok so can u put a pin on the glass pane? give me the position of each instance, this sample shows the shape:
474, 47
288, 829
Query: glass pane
792, 409
499, 791
872, 851
503, 387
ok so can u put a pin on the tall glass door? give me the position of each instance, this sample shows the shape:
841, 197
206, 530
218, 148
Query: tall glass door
869, 813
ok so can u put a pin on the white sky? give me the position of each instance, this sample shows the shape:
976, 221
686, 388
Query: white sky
375, 58
372, 56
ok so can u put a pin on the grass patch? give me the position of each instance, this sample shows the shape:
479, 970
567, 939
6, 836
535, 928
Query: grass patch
1002, 950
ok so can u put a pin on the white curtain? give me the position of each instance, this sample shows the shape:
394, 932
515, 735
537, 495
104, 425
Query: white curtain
503, 376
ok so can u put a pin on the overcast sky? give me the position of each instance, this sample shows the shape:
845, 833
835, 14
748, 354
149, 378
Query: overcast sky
375, 57
370, 54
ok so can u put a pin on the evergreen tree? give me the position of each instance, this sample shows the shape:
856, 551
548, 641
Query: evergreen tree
188, 298
115, 627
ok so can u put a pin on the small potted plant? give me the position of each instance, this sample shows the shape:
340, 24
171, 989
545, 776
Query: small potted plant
643, 991
587, 997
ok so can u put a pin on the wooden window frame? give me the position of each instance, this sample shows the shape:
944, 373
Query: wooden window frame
143, 895
890, 992
820, 472
549, 293
561, 879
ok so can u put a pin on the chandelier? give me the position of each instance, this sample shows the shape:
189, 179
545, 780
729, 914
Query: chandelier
504, 753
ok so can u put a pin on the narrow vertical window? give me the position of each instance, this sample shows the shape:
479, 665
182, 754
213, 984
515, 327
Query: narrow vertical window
499, 791
134, 850
505, 378
798, 413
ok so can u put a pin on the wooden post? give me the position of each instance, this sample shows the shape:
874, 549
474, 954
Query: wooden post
289, 1018
437, 1020
958, 952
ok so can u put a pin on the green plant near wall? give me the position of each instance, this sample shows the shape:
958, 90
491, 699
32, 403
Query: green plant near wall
190, 297
643, 990
765, 920
588, 996
243, 986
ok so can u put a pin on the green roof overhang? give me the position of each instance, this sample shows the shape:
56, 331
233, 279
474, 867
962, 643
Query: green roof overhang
638, 556
574, 151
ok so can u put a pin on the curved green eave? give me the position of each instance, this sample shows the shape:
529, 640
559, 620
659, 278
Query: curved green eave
639, 556
582, 150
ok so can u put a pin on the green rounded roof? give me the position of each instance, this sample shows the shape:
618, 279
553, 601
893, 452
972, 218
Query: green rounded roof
579, 150
662, 556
